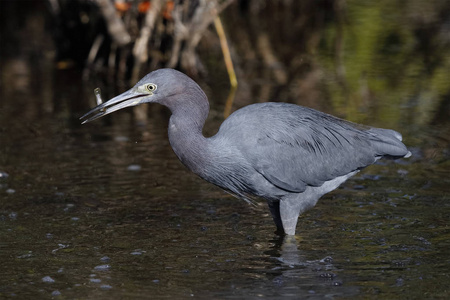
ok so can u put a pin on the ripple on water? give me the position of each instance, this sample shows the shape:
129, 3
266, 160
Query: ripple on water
105, 287
105, 267
48, 279
134, 168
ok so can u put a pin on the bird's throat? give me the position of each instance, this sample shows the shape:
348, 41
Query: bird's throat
188, 142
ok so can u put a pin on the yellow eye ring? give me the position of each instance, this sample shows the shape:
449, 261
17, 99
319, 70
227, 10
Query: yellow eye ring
150, 87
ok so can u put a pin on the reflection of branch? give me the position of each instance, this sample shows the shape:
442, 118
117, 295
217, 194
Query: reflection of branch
229, 102
93, 54
115, 26
94, 49
339, 7
265, 49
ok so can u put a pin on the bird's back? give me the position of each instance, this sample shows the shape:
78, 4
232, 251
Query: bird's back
294, 147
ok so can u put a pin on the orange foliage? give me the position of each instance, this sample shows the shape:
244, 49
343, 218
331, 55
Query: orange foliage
144, 6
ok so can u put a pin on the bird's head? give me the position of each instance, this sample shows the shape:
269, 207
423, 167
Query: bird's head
160, 86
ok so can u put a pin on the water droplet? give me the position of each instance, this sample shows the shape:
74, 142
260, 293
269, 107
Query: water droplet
98, 96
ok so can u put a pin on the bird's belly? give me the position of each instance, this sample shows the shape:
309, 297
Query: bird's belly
329, 185
265, 189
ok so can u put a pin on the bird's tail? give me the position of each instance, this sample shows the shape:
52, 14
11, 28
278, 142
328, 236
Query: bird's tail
388, 143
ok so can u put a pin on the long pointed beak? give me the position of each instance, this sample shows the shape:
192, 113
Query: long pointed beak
128, 98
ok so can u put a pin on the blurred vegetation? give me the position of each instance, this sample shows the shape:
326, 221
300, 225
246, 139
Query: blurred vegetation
356, 59
383, 59
359, 58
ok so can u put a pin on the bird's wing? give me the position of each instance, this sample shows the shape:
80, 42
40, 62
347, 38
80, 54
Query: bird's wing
293, 146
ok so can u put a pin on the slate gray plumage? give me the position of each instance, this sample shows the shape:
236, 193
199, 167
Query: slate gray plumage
287, 154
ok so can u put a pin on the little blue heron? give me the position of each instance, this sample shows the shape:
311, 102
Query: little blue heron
287, 154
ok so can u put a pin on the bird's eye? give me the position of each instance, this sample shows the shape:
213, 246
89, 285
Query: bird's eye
150, 87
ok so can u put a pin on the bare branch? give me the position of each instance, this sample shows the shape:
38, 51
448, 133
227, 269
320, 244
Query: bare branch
115, 26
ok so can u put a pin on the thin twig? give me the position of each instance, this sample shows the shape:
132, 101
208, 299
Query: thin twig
226, 52
228, 65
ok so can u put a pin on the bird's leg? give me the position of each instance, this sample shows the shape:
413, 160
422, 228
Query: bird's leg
292, 206
289, 213
274, 207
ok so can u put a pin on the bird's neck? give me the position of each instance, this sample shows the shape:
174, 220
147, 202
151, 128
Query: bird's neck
185, 134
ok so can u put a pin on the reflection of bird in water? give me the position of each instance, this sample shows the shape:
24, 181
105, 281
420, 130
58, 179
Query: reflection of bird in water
287, 154
300, 272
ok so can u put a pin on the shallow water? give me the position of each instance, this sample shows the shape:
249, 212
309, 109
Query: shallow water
106, 211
